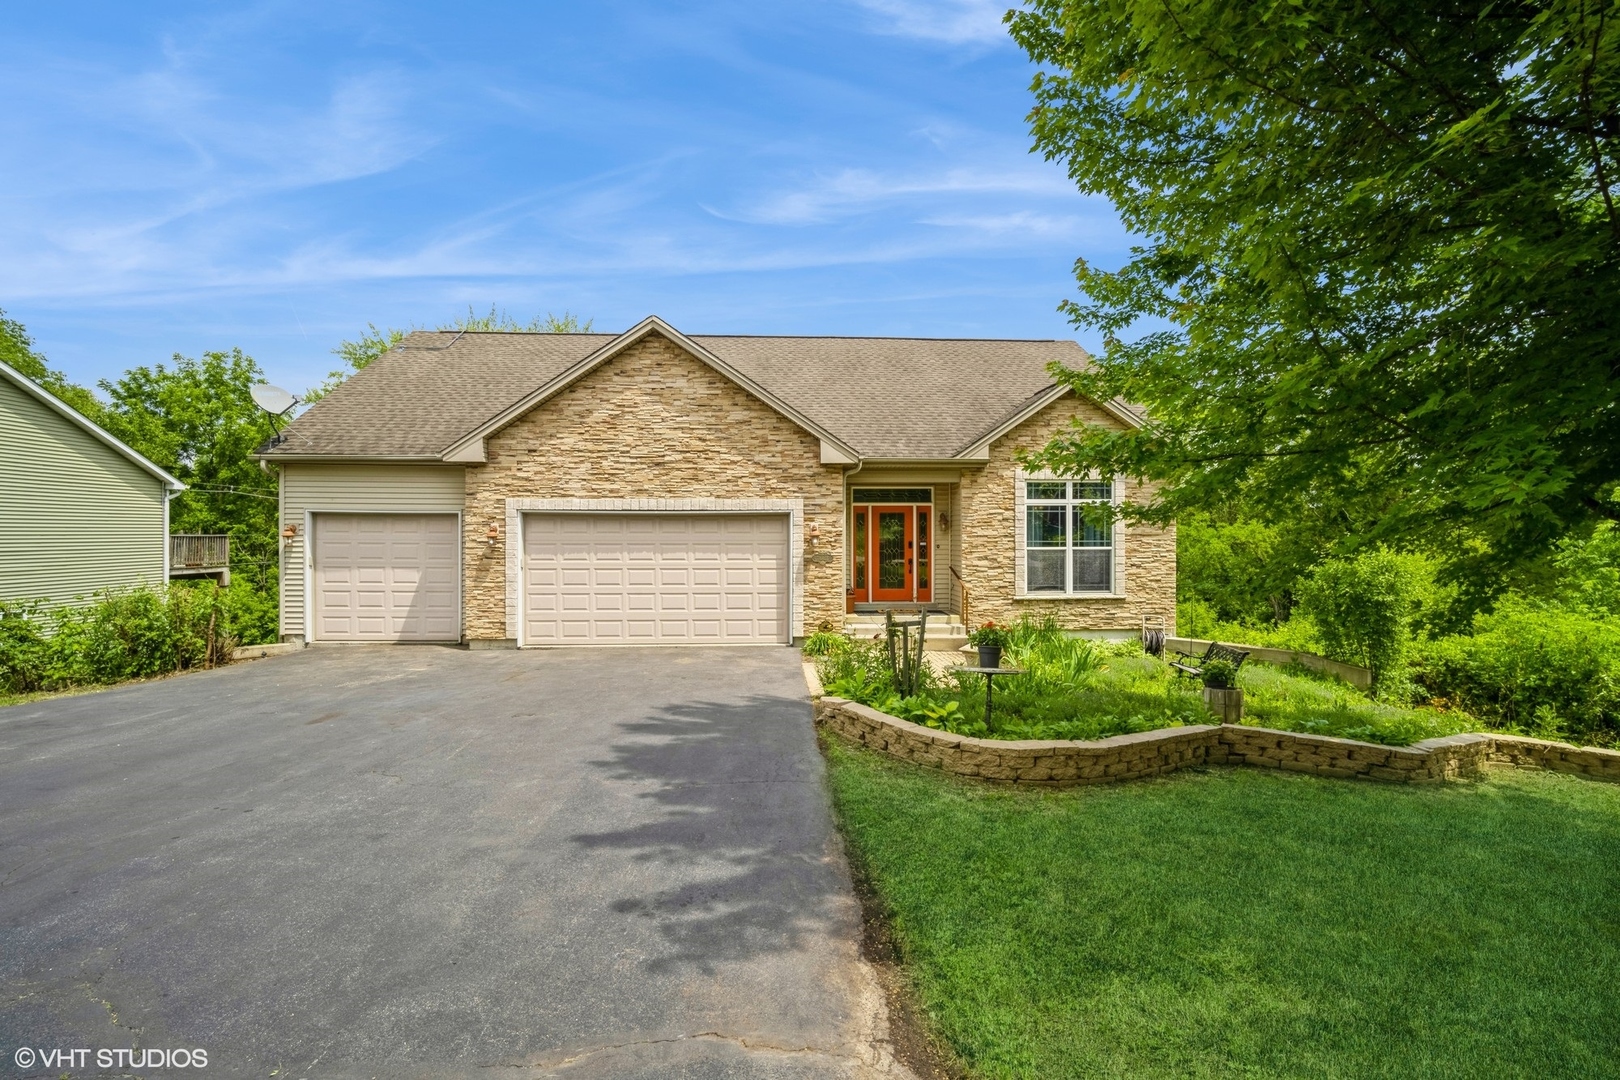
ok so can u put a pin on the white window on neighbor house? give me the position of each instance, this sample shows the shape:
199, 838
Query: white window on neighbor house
1067, 544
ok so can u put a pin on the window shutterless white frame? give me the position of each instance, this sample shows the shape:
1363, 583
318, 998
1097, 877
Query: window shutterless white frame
1021, 507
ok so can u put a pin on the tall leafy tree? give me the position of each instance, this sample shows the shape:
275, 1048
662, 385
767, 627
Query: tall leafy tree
197, 419
17, 350
1381, 244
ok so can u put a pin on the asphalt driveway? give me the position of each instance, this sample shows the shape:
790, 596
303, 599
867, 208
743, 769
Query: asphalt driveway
415, 861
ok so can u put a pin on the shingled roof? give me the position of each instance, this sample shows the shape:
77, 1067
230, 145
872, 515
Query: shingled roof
883, 398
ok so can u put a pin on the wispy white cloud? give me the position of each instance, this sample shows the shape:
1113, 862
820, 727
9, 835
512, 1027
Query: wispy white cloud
163, 174
850, 192
255, 177
954, 22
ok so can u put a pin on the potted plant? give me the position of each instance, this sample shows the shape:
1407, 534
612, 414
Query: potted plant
1221, 696
990, 639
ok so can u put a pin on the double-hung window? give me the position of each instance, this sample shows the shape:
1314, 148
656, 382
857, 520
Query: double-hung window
1068, 537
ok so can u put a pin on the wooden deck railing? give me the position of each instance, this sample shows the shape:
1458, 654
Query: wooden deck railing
189, 551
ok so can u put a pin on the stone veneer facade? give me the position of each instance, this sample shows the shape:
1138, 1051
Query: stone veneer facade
1153, 753
988, 522
654, 422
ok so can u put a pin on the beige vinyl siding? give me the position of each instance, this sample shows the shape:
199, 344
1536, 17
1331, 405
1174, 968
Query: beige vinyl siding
307, 489
76, 516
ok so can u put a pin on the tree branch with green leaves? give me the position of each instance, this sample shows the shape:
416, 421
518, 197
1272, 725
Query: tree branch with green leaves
1383, 239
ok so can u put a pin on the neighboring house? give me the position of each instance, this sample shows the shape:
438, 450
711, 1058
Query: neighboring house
653, 487
80, 512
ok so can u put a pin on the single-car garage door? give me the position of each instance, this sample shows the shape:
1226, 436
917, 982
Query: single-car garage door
655, 579
386, 577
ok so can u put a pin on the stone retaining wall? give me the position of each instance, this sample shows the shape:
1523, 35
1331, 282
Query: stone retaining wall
1151, 753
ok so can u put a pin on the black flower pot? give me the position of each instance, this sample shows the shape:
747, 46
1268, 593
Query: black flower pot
990, 656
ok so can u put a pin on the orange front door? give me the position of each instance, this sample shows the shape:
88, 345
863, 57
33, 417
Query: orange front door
894, 555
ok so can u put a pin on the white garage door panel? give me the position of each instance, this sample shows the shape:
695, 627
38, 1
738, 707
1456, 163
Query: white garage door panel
387, 577
647, 579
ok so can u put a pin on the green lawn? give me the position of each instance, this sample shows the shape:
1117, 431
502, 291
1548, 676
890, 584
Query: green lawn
1242, 923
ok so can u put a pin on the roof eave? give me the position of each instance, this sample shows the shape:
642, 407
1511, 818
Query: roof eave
358, 459
979, 449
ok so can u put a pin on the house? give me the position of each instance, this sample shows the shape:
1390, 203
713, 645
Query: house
653, 487
80, 512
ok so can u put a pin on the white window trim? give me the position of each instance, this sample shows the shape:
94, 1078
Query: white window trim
1021, 536
516, 508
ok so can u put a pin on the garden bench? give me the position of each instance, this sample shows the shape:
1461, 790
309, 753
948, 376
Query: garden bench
1216, 651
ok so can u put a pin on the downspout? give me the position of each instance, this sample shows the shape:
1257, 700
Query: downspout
169, 495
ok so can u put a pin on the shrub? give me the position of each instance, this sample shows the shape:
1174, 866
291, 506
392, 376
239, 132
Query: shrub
1219, 674
1194, 619
255, 616
1363, 607
859, 671
1238, 570
824, 642
23, 649
1048, 655
127, 634
1540, 669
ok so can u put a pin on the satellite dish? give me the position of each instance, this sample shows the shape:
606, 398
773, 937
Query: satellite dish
275, 401
272, 399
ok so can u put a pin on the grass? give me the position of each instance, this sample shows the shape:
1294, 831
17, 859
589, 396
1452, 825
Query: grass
1242, 923
7, 698
1076, 689
1295, 699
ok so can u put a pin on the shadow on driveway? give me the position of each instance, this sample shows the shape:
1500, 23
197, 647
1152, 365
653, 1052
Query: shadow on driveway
432, 862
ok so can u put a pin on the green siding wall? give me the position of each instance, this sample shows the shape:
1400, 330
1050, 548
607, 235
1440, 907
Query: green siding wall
76, 516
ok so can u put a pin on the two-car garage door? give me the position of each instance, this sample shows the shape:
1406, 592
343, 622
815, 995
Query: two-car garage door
650, 579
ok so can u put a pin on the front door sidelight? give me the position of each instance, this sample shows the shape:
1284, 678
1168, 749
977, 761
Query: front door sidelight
925, 567
860, 550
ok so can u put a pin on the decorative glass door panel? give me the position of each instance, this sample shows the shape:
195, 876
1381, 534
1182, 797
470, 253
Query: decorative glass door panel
895, 556
925, 588
859, 550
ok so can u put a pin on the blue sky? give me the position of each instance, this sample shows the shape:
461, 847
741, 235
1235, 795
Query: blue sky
184, 177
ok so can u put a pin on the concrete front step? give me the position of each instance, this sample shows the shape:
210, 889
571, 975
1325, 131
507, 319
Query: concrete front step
945, 634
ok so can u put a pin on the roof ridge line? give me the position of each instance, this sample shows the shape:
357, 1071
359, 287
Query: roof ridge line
764, 337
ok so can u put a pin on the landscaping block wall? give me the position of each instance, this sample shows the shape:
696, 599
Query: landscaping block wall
1152, 753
